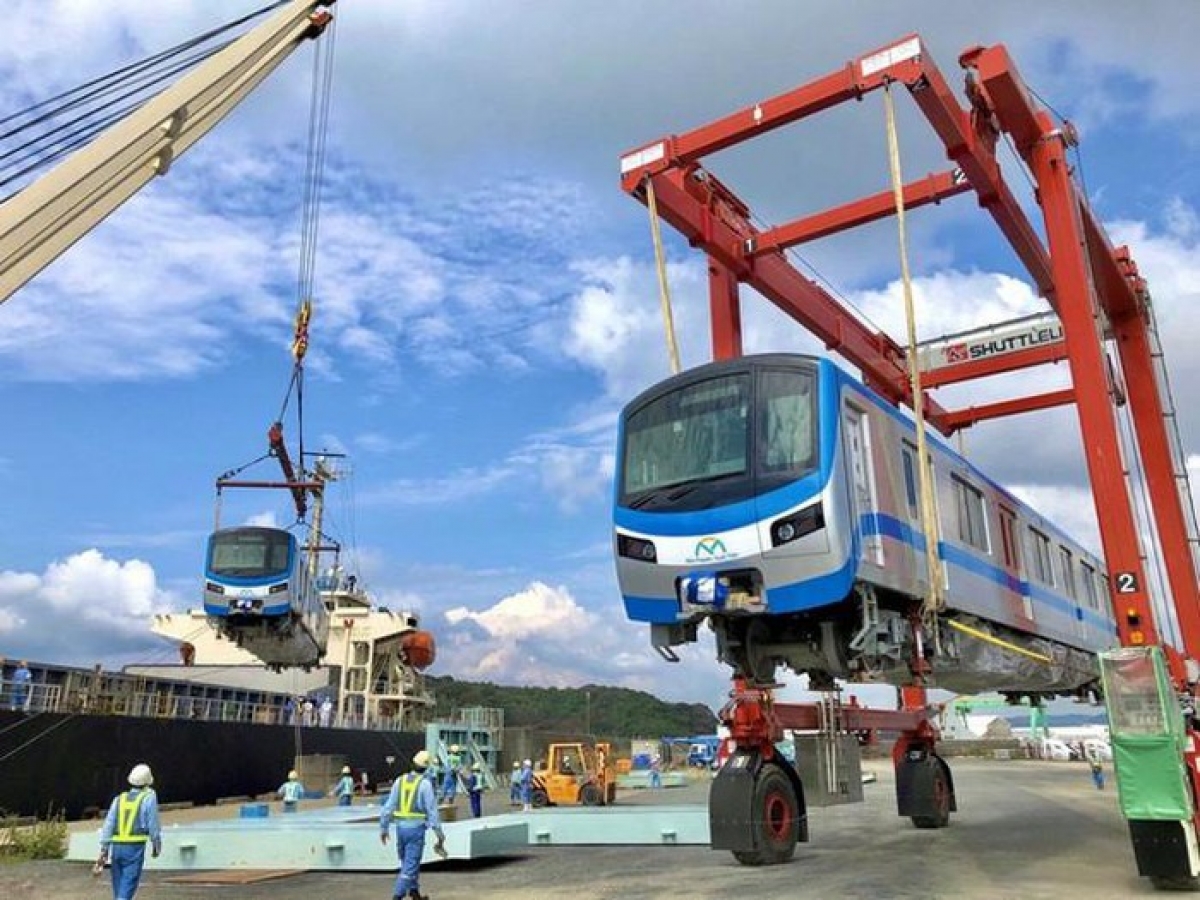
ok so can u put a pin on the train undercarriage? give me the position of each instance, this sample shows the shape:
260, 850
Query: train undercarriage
758, 807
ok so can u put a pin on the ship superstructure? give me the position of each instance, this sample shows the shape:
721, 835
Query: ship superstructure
373, 665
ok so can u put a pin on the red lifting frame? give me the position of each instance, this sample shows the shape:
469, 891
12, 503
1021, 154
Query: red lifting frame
712, 218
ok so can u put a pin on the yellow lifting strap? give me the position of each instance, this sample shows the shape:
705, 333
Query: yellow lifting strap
664, 290
995, 641
300, 339
935, 599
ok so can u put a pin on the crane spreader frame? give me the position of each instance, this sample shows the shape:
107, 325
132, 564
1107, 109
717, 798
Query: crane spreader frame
1094, 288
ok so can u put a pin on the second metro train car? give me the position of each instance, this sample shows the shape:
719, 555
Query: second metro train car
257, 592
777, 498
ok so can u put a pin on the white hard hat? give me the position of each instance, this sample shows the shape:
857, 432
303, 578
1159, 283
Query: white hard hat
454, 748
421, 759
528, 762
293, 775
141, 776
516, 765
345, 770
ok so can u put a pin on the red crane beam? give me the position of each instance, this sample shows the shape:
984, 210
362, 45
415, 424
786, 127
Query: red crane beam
963, 418
994, 365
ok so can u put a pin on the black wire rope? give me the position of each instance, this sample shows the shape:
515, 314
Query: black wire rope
133, 79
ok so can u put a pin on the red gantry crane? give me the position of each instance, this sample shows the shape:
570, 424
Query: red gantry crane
1098, 300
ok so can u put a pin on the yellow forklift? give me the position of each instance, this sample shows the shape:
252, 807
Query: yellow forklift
575, 775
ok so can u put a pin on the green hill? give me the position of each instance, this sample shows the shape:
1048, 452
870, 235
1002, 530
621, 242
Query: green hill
595, 709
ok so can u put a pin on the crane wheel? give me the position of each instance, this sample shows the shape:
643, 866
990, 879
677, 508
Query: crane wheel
940, 789
775, 814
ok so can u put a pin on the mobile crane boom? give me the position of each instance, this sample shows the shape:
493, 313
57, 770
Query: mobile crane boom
42, 221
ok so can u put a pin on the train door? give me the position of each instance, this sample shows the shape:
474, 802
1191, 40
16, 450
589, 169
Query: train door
1010, 549
1071, 589
863, 506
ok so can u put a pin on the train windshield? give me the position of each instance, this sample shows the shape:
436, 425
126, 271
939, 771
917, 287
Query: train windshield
250, 553
720, 440
696, 433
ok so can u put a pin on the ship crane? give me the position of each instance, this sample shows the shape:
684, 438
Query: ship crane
757, 804
274, 610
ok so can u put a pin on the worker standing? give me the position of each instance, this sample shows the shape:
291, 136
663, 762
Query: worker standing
22, 691
344, 789
526, 786
514, 785
291, 791
412, 805
131, 823
450, 779
1097, 768
475, 791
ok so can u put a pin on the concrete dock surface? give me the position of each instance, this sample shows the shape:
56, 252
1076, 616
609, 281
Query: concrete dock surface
1025, 829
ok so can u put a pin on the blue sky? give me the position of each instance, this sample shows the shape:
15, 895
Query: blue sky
485, 297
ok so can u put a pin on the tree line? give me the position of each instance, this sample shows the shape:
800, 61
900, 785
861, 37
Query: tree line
591, 709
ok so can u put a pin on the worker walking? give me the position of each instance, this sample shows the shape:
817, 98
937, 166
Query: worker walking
22, 690
131, 823
1097, 772
344, 789
291, 791
475, 791
412, 805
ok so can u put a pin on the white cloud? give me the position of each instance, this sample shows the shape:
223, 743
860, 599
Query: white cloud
98, 606
267, 519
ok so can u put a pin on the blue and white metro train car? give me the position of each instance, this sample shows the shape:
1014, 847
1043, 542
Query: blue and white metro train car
776, 497
257, 592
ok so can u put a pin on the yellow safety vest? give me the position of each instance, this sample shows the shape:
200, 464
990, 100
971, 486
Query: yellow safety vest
408, 797
127, 812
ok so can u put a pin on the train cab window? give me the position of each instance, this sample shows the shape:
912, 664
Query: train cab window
1068, 570
1008, 538
972, 523
789, 434
1039, 554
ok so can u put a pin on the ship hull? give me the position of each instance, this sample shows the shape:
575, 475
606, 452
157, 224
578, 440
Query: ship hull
75, 763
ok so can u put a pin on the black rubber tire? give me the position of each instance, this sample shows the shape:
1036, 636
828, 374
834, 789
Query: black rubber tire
589, 795
538, 798
941, 799
776, 820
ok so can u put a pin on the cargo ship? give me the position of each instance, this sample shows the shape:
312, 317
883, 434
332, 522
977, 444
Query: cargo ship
218, 724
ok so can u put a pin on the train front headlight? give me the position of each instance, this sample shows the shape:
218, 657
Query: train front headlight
278, 588
636, 548
213, 588
797, 525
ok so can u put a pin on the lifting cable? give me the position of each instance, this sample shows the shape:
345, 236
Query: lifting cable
318, 132
101, 102
935, 600
664, 289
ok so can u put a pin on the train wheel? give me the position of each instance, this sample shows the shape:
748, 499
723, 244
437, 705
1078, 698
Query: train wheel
776, 820
940, 787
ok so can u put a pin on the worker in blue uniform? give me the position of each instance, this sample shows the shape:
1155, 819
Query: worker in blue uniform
344, 789
450, 778
131, 823
412, 805
526, 777
291, 791
475, 791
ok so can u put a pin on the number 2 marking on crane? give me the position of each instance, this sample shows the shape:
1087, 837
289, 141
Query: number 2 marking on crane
1127, 583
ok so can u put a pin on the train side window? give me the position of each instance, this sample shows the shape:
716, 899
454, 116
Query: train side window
1039, 554
1008, 538
1068, 570
1089, 585
972, 523
908, 458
